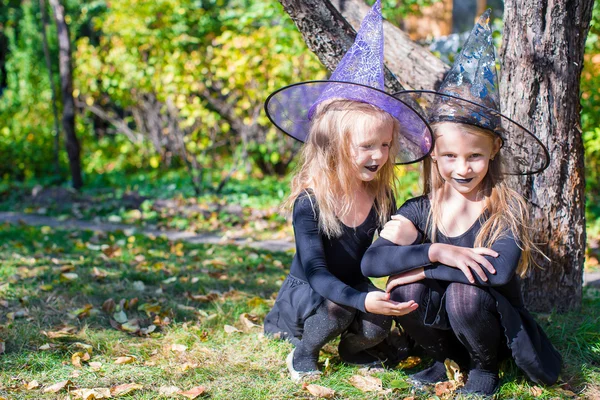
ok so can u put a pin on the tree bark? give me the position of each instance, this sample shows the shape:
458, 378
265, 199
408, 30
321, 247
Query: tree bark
542, 58
327, 33
65, 67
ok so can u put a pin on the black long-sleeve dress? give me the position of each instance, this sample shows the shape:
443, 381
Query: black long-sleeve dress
323, 268
530, 347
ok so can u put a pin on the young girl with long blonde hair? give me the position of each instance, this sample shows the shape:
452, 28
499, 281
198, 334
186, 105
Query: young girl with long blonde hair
341, 195
460, 248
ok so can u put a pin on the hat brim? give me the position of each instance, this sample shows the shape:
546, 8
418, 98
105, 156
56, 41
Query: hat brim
522, 152
290, 110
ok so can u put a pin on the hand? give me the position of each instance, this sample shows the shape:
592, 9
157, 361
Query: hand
399, 230
405, 278
464, 258
379, 303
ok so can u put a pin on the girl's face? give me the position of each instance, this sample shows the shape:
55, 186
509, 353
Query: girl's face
463, 158
370, 147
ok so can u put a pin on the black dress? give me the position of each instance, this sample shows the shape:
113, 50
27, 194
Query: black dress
322, 268
530, 347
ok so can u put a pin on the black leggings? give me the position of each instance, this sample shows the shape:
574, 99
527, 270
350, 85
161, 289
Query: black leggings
475, 333
360, 331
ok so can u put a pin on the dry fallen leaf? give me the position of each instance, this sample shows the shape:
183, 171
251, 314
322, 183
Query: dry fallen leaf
319, 391
247, 322
121, 390
92, 394
366, 383
109, 306
68, 276
98, 273
442, 388
453, 371
409, 362
535, 391
64, 332
179, 347
2, 346
78, 357
125, 360
168, 391
57, 387
193, 392
32, 385
230, 329
95, 365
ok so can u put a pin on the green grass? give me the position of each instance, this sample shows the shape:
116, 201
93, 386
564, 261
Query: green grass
238, 365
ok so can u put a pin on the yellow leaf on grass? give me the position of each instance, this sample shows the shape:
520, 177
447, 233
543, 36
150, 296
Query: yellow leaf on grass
92, 394
193, 392
125, 360
319, 391
179, 347
68, 276
57, 387
453, 371
246, 321
32, 385
64, 332
409, 362
121, 390
95, 365
78, 357
366, 383
168, 391
230, 329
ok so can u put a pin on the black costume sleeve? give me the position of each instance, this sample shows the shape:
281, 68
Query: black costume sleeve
385, 258
309, 247
505, 265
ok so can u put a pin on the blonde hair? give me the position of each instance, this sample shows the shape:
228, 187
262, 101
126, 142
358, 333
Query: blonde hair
326, 166
506, 209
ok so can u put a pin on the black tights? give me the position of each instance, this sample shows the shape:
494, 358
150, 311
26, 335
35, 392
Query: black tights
473, 319
360, 331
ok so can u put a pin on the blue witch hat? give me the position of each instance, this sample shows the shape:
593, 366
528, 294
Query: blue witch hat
469, 94
359, 77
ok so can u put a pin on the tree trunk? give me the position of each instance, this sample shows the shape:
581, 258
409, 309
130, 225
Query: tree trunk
414, 66
542, 53
65, 67
543, 46
327, 33
45, 24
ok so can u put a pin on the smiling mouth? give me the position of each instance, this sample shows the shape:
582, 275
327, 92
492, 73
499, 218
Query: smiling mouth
463, 180
372, 168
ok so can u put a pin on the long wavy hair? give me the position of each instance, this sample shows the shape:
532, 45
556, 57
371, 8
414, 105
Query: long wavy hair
505, 209
326, 165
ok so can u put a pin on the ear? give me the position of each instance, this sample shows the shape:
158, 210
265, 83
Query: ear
496, 147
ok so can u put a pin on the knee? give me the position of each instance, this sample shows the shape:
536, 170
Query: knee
413, 291
340, 313
377, 329
467, 302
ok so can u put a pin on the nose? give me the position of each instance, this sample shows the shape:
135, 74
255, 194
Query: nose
462, 166
377, 154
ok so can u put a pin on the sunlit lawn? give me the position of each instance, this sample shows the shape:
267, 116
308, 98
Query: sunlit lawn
182, 316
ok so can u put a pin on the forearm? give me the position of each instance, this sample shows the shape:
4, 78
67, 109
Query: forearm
385, 258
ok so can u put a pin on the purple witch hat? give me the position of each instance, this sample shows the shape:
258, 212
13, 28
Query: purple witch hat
359, 77
469, 95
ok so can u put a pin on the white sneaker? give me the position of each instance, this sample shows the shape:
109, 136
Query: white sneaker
299, 376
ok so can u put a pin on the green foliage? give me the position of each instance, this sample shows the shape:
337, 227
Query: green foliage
590, 113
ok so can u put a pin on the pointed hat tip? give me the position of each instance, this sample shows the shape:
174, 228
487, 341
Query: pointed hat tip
484, 19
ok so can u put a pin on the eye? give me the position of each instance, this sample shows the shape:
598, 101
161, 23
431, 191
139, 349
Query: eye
386, 145
366, 146
476, 155
449, 155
